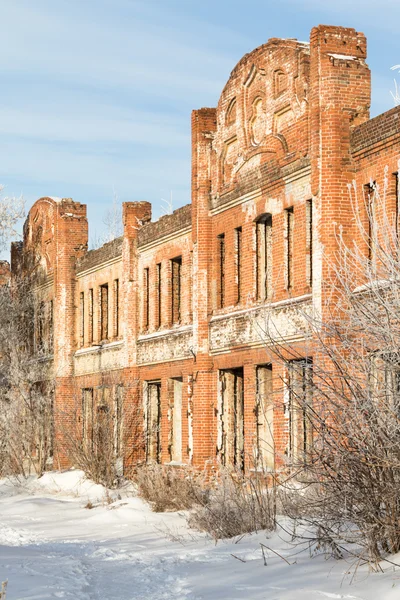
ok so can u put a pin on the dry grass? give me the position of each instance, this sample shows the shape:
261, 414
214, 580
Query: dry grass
237, 504
168, 488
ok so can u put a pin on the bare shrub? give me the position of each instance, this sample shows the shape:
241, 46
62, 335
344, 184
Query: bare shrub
96, 457
103, 431
26, 380
3, 590
12, 210
348, 422
168, 488
236, 504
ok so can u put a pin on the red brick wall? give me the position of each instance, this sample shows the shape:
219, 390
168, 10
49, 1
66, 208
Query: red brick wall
292, 126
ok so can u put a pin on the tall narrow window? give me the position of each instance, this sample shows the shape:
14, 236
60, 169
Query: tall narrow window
369, 200
396, 192
264, 413
264, 257
158, 296
221, 270
87, 418
309, 242
230, 442
116, 308
104, 311
191, 286
176, 267
40, 327
289, 246
299, 410
118, 411
238, 263
82, 319
153, 420
51, 327
146, 298
175, 445
90, 311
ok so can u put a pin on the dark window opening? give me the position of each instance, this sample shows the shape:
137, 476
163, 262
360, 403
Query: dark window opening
116, 308
238, 263
221, 270
90, 324
289, 247
176, 267
82, 319
309, 242
146, 299
158, 296
104, 312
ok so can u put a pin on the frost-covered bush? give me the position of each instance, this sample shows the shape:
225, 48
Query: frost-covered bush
236, 504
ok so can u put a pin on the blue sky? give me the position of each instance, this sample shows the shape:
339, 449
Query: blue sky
96, 95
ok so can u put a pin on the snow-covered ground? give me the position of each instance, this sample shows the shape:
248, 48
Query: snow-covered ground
51, 546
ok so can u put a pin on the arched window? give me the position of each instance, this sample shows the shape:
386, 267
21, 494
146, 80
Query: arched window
280, 82
230, 117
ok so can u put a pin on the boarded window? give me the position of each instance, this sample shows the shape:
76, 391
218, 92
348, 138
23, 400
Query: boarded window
117, 416
90, 311
152, 410
116, 308
176, 267
87, 418
158, 296
264, 257
299, 410
221, 270
238, 263
230, 443
289, 247
82, 319
264, 413
176, 419
104, 312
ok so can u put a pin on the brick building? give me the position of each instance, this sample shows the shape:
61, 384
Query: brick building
165, 321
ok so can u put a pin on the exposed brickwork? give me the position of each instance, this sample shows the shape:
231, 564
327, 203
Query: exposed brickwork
181, 218
93, 258
376, 131
271, 166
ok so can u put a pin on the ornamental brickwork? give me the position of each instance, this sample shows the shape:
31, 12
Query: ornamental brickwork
162, 326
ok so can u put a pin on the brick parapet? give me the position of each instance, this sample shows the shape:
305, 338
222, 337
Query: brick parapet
166, 225
290, 132
95, 258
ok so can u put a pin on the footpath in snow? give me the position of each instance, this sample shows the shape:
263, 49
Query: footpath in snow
51, 546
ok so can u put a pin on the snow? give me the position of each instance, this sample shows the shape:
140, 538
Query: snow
51, 546
342, 56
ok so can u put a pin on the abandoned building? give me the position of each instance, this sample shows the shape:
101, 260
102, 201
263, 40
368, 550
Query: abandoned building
162, 326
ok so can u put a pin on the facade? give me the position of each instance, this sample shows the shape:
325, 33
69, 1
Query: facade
163, 327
